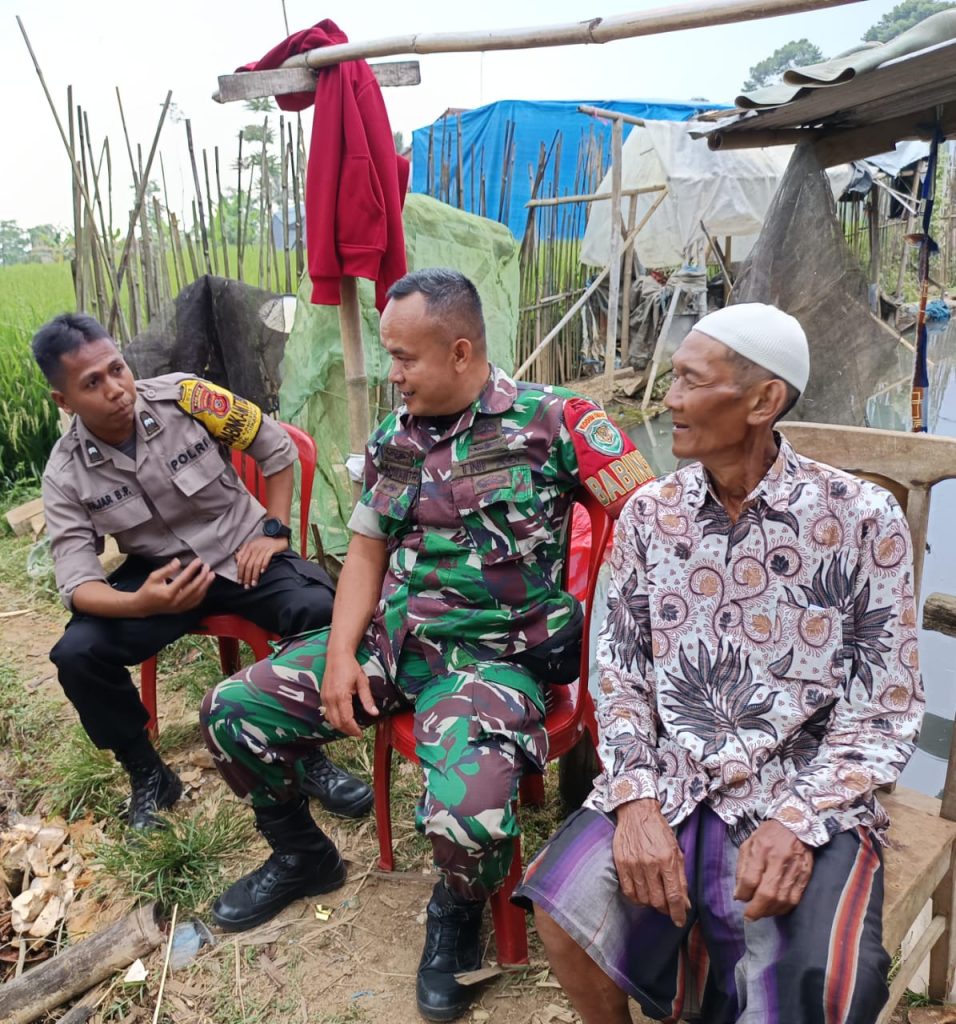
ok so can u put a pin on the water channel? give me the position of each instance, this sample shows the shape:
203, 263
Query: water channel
889, 409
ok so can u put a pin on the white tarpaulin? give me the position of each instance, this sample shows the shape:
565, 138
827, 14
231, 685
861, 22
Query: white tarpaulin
729, 190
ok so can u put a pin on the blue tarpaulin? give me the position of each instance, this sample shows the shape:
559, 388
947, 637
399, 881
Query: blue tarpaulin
512, 131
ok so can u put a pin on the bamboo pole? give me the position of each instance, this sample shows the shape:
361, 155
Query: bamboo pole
626, 297
673, 18
587, 293
177, 245
97, 198
132, 286
459, 170
284, 201
129, 147
117, 313
190, 247
164, 288
297, 201
212, 220
594, 197
219, 211
124, 333
81, 966
202, 219
239, 210
95, 262
150, 284
614, 284
263, 186
356, 381
79, 284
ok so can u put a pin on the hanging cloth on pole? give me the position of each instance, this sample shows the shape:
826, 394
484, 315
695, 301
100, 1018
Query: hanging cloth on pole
355, 181
927, 248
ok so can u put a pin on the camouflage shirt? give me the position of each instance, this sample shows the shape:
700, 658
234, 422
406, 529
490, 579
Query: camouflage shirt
474, 515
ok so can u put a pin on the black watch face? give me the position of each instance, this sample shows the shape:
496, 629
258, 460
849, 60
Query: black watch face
271, 527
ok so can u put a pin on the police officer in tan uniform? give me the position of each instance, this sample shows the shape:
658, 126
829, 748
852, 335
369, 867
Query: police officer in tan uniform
145, 462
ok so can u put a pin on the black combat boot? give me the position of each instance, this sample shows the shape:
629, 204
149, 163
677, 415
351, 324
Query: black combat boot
452, 946
339, 792
303, 863
154, 785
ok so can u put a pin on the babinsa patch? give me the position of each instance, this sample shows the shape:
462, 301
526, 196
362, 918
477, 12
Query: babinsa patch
232, 420
600, 433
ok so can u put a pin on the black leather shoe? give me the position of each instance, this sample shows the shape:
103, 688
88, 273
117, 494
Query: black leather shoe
155, 788
304, 862
336, 790
452, 946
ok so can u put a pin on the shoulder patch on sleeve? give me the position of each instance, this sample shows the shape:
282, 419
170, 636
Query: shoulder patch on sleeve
609, 465
229, 419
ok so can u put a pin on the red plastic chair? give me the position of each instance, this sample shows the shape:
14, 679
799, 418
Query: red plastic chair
231, 629
564, 721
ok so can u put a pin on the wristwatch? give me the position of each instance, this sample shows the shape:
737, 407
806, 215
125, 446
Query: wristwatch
276, 528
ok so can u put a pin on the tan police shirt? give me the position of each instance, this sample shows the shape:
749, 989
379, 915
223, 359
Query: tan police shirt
180, 498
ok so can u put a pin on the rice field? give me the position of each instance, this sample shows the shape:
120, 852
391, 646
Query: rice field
30, 293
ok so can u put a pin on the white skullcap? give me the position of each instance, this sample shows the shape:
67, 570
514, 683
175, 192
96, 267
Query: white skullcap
765, 335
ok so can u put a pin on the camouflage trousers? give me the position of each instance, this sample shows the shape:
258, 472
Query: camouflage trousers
476, 734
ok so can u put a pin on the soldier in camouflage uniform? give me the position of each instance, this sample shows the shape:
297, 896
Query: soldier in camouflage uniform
449, 603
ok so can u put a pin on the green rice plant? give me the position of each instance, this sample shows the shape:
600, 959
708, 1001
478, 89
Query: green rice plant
186, 863
30, 294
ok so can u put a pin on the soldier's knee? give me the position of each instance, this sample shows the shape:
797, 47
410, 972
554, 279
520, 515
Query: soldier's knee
222, 696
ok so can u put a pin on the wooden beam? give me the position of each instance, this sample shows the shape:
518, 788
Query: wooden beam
758, 139
939, 614
836, 147
611, 115
672, 18
248, 85
595, 197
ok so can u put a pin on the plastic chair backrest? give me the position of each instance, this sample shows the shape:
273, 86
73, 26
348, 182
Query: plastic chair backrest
252, 478
602, 526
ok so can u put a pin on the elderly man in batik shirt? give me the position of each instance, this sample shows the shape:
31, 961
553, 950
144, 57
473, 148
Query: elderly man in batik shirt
758, 681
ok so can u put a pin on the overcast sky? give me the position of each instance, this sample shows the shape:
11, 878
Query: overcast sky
148, 48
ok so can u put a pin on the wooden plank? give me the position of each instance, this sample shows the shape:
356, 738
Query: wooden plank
20, 517
248, 85
916, 859
854, 103
911, 964
939, 613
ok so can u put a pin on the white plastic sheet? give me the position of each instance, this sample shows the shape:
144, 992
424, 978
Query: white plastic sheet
730, 191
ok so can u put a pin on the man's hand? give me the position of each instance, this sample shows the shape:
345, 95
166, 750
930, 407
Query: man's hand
253, 558
165, 593
343, 679
649, 862
773, 869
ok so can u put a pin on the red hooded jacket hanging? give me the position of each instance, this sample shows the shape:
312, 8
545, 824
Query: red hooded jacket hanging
355, 181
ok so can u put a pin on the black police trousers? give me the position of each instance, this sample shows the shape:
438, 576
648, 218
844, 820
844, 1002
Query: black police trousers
292, 596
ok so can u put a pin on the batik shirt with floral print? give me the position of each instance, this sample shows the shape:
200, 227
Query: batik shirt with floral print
768, 667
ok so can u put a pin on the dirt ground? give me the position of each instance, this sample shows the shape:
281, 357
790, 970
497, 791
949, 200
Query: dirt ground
358, 965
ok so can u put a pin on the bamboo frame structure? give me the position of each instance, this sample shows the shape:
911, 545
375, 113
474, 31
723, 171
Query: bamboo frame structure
673, 18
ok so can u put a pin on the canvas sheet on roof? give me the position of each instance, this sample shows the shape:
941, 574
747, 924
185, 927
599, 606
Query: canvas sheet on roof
312, 394
729, 190
483, 136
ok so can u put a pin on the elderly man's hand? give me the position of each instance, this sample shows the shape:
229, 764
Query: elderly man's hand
773, 869
649, 862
